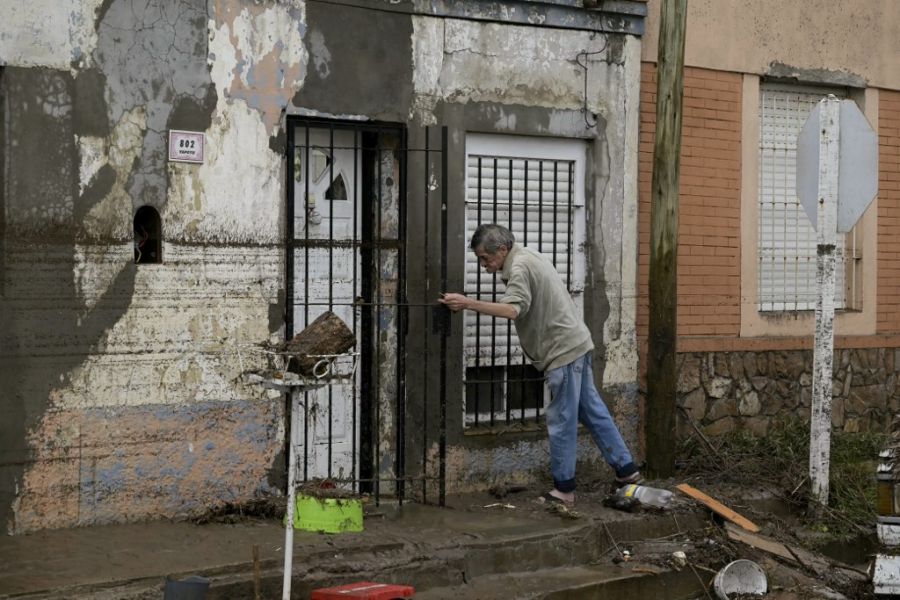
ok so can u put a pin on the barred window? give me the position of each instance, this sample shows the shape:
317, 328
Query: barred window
787, 239
535, 188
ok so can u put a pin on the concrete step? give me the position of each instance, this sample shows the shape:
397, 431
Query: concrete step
576, 583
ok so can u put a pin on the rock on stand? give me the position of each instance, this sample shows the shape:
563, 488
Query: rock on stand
327, 335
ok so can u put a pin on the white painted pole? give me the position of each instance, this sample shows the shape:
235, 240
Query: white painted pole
291, 494
823, 355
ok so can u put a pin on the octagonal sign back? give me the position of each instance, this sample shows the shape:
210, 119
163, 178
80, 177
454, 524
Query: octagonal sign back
857, 165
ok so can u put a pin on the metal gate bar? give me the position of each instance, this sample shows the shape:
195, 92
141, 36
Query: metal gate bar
402, 320
446, 325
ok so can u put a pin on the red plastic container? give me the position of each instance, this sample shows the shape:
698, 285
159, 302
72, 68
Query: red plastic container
365, 590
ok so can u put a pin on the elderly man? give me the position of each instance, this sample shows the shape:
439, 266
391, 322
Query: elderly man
557, 342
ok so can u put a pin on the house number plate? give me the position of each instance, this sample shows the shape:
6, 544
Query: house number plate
186, 146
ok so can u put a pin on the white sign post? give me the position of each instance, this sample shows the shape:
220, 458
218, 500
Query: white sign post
837, 178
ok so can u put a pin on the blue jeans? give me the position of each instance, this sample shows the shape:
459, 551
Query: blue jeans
574, 398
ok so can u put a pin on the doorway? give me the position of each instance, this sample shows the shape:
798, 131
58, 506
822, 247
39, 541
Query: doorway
346, 195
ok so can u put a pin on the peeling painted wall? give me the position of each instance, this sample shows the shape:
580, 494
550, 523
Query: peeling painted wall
463, 61
48, 33
121, 381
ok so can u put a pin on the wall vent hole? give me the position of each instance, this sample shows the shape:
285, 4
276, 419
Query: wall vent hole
147, 236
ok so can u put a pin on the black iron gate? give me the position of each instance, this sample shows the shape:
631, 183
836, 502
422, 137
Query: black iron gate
349, 188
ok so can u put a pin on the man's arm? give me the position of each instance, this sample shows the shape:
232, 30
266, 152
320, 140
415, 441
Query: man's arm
458, 302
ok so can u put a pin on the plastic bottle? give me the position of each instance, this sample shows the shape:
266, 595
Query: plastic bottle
645, 495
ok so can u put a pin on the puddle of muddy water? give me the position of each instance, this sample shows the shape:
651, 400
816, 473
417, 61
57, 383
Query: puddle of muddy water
855, 551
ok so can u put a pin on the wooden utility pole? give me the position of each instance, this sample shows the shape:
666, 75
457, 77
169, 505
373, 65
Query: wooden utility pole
661, 376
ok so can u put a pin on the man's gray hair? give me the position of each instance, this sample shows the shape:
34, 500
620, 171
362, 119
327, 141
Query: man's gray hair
491, 236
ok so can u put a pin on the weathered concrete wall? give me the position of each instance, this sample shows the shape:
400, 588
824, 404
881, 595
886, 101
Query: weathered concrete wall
491, 78
119, 382
728, 391
57, 34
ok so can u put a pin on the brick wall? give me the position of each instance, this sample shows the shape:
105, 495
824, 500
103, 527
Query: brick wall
889, 212
709, 279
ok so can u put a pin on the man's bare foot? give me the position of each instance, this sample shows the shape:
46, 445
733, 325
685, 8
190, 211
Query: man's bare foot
567, 497
557, 497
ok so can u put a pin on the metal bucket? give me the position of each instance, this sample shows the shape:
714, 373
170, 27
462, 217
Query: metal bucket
740, 577
189, 588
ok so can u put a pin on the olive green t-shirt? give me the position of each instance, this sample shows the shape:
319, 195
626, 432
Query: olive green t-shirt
551, 332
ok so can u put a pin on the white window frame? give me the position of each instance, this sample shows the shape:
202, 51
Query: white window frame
795, 324
533, 149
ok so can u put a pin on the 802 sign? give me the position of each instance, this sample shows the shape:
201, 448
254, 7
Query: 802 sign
186, 146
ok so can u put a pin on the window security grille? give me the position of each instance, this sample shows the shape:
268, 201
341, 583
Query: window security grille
533, 188
787, 239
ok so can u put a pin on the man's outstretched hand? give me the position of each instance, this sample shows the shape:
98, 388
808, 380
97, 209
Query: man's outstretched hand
455, 302
458, 302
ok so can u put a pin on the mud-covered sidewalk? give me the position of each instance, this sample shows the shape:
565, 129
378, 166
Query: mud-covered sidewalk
478, 546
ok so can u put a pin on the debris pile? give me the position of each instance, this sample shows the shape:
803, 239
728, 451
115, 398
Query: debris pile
737, 558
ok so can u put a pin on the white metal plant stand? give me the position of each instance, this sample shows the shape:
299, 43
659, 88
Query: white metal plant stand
329, 369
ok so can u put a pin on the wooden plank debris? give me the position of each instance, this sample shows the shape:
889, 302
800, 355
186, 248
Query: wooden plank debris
717, 507
796, 555
648, 570
760, 542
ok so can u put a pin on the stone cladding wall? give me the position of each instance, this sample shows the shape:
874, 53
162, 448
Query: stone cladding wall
728, 391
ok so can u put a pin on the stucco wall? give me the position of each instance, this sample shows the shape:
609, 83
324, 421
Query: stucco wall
816, 40
120, 382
